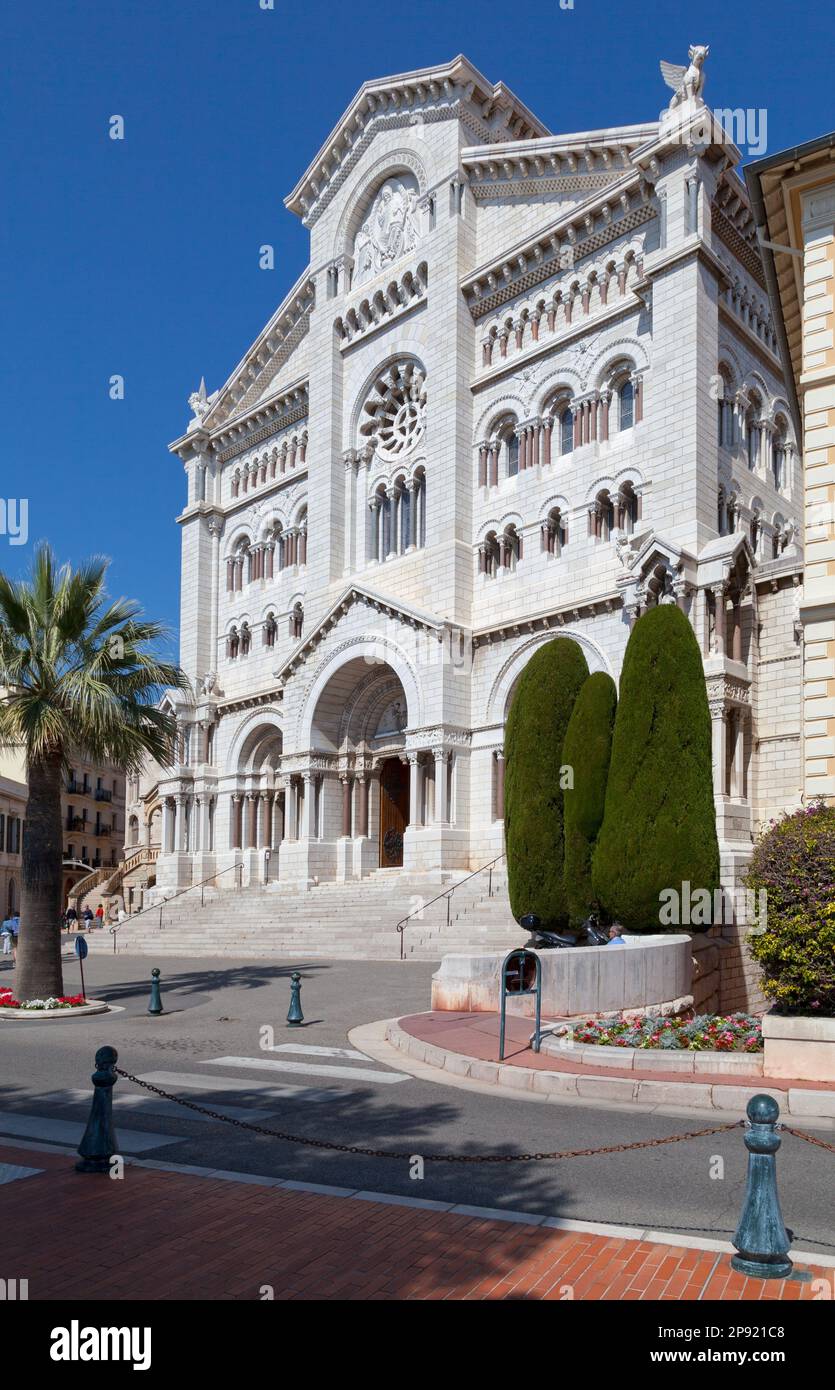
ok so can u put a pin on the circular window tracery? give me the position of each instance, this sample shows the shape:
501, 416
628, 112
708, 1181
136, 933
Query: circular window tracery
395, 412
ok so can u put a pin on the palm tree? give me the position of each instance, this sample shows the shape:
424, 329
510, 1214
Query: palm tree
80, 680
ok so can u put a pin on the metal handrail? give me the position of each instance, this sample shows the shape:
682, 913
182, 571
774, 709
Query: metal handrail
201, 885
447, 893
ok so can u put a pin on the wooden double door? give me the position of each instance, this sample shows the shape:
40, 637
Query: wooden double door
394, 811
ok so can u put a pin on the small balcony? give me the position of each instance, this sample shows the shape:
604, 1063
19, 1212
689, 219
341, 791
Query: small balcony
104, 830
102, 795
76, 823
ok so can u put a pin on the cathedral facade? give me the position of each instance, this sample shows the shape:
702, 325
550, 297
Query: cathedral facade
527, 386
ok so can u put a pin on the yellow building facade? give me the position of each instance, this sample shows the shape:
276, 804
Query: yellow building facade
793, 200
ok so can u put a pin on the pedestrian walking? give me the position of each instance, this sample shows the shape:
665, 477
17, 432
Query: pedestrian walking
15, 923
71, 917
87, 918
6, 930
99, 916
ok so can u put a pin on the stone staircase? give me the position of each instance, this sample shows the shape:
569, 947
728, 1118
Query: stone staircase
352, 921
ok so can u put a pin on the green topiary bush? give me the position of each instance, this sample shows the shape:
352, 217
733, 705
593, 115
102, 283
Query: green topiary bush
534, 738
659, 823
587, 751
794, 862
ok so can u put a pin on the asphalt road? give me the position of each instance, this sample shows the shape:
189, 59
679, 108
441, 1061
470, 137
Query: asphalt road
215, 1010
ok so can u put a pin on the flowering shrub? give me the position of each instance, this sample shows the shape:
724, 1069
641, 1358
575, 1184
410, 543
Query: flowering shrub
705, 1032
64, 1001
794, 861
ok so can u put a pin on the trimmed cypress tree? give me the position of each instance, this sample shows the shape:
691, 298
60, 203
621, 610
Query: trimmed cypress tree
587, 751
534, 737
659, 823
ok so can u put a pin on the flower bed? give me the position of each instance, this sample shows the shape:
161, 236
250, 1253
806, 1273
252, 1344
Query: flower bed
703, 1033
65, 1001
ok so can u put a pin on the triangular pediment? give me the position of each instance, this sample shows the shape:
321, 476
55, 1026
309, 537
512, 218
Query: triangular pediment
490, 111
357, 594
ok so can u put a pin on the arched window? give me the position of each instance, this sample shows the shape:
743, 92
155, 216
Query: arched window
755, 532
778, 457
233, 644
626, 405
296, 621
246, 639
512, 453
510, 548
489, 555
602, 516
566, 428
730, 515
627, 508
753, 432
554, 532
236, 482
721, 513
269, 630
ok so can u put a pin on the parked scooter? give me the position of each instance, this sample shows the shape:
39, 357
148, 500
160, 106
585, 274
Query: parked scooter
591, 934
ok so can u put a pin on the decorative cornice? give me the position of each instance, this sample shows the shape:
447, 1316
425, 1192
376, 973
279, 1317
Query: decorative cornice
577, 233
553, 618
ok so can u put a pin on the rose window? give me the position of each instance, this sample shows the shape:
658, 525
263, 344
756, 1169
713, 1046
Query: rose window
395, 412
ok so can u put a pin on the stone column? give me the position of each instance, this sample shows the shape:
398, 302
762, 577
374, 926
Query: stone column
719, 619
362, 810
277, 821
167, 836
412, 490
494, 463
235, 818
307, 805
736, 650
206, 837
737, 775
439, 754
266, 817
252, 820
499, 784
546, 440
719, 736
346, 807
414, 789
291, 810
482, 465
196, 821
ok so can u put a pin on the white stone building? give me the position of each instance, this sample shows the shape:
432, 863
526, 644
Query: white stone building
527, 385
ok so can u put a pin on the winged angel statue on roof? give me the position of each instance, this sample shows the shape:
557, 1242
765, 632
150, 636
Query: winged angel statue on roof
687, 83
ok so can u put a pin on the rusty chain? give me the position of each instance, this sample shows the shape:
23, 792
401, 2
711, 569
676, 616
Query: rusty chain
428, 1158
810, 1138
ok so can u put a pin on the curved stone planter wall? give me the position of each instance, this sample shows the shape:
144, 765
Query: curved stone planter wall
649, 971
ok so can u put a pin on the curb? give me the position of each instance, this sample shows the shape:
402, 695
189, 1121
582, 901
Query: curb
693, 1095
93, 1006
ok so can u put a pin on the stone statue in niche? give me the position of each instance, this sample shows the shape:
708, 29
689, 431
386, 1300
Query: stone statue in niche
390, 231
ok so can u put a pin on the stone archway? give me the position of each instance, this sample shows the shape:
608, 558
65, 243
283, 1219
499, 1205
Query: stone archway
360, 775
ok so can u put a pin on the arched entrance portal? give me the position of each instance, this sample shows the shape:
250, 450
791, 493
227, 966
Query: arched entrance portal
361, 787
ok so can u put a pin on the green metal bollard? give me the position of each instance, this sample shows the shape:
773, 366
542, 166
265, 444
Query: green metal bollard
761, 1238
99, 1140
294, 1013
155, 1002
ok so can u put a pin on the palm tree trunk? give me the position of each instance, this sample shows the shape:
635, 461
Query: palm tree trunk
38, 972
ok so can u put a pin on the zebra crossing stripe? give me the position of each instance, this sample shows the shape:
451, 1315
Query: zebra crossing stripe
343, 1073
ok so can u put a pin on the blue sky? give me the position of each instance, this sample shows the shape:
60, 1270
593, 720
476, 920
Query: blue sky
140, 257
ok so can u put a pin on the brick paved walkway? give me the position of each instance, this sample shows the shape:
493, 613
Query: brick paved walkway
161, 1234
